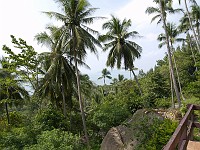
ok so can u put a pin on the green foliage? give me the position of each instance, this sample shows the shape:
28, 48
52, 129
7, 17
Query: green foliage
25, 61
110, 113
16, 119
162, 134
16, 138
194, 89
49, 119
152, 131
192, 100
162, 103
56, 139
154, 87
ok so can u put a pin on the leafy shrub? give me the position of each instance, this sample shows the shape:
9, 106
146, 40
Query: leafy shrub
16, 119
148, 100
162, 103
56, 139
151, 131
162, 134
110, 113
17, 138
193, 100
50, 119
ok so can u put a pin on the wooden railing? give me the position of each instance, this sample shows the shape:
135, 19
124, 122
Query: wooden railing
184, 131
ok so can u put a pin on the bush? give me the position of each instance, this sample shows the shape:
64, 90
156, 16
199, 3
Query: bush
151, 131
162, 103
50, 119
56, 139
193, 100
162, 134
17, 119
17, 138
110, 113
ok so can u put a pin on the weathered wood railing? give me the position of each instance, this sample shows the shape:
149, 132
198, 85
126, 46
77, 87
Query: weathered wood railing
184, 131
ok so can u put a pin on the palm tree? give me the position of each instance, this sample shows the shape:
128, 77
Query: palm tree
135, 77
190, 22
121, 77
87, 89
172, 33
76, 15
184, 27
11, 91
195, 13
105, 74
117, 42
164, 7
59, 75
158, 13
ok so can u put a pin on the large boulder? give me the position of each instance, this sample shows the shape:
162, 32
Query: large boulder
122, 136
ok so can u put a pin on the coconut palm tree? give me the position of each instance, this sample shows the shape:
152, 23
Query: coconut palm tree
121, 77
184, 27
135, 77
157, 12
117, 41
195, 14
173, 32
75, 16
11, 92
190, 21
161, 12
105, 74
59, 75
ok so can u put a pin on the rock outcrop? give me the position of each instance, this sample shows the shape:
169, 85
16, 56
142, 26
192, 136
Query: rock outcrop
122, 136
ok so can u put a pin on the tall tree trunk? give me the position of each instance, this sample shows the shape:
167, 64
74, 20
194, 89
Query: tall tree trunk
198, 32
70, 127
190, 21
179, 83
7, 113
169, 54
63, 96
191, 48
177, 73
137, 82
171, 86
79, 89
80, 101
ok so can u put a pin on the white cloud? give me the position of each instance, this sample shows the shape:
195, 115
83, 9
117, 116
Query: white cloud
135, 10
23, 18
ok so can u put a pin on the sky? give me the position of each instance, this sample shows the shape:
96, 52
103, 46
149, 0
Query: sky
24, 19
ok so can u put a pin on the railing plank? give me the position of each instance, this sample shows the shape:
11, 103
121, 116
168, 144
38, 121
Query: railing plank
175, 139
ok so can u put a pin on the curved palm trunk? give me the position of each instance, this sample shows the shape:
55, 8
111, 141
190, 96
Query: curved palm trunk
171, 85
179, 83
64, 102
79, 89
191, 48
169, 55
177, 73
80, 101
137, 82
190, 21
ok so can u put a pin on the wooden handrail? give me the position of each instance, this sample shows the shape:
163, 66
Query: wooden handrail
184, 131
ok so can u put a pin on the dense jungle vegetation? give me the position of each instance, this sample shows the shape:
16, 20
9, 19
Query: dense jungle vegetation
47, 103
